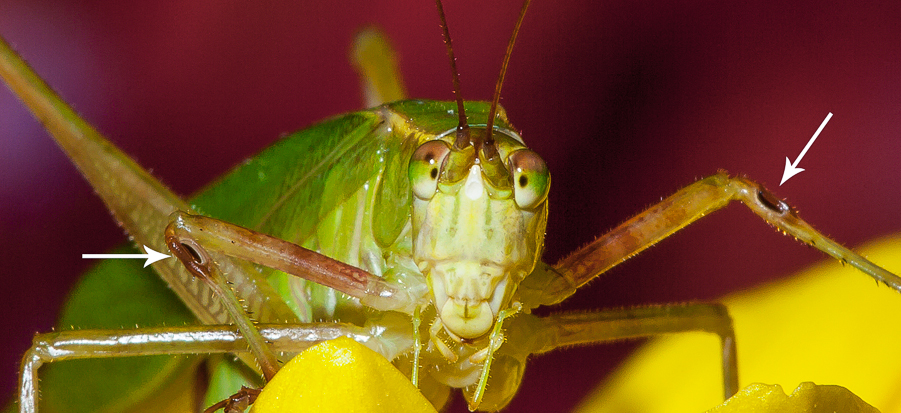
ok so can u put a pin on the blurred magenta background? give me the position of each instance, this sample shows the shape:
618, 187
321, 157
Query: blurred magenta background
627, 101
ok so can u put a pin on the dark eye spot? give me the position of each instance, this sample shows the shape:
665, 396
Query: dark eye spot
523, 181
434, 173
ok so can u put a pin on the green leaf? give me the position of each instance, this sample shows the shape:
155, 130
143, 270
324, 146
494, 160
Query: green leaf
115, 294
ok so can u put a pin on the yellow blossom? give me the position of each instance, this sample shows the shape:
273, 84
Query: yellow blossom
828, 325
340, 375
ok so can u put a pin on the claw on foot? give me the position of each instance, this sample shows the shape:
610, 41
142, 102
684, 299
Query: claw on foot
236, 403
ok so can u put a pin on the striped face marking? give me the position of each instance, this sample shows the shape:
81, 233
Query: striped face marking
473, 238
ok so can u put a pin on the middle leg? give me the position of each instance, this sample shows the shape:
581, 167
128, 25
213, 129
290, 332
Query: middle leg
528, 335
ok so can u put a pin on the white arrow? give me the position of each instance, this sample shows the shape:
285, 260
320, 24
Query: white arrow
791, 169
151, 256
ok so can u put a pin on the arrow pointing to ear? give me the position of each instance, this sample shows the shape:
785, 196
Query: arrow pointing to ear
791, 169
151, 256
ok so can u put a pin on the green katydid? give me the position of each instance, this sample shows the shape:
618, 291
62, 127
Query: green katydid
466, 88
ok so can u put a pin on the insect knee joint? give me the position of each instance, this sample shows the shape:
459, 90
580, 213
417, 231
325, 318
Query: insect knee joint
189, 252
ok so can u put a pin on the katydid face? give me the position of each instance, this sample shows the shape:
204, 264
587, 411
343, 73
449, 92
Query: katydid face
478, 227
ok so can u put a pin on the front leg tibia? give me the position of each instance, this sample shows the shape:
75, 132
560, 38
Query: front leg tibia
292, 259
199, 263
192, 238
682, 208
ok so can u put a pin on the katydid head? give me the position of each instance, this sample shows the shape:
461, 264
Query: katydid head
478, 227
479, 213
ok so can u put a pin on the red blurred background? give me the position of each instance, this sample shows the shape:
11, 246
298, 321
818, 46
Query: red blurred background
627, 101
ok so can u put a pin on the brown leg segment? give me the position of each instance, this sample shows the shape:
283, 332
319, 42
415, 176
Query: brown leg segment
238, 402
674, 213
189, 237
262, 249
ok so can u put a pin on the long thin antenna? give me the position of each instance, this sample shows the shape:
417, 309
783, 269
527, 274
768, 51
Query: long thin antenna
489, 141
462, 140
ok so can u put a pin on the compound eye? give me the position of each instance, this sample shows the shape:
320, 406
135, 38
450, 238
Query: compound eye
425, 167
531, 179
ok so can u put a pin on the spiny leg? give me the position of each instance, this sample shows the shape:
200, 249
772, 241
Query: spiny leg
201, 265
140, 203
204, 233
189, 237
603, 326
553, 284
528, 335
90, 344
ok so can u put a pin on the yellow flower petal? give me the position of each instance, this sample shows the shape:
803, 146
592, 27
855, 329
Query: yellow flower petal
829, 325
808, 397
340, 375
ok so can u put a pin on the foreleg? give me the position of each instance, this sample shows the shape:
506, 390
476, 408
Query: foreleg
550, 285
